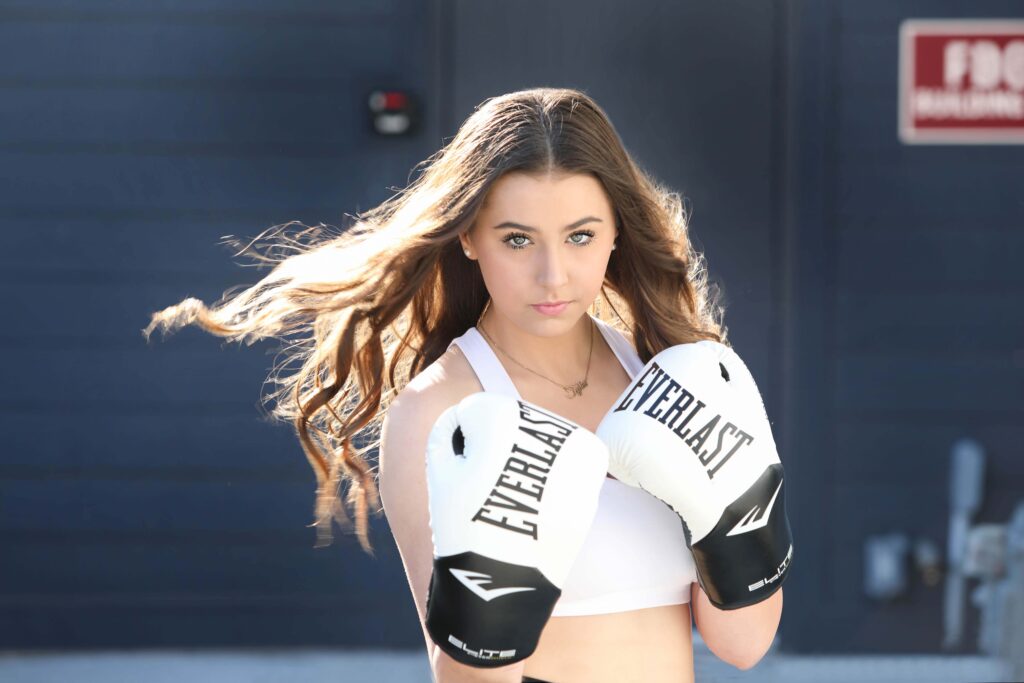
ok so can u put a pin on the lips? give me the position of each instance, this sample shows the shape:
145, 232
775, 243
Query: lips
551, 309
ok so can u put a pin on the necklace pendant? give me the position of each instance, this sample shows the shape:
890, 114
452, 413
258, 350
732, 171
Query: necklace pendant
575, 390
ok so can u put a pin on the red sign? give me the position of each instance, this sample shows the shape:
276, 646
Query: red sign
961, 81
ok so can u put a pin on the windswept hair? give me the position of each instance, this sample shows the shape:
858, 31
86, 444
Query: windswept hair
371, 306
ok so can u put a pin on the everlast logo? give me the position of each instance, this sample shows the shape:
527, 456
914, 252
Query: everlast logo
778, 572
522, 480
657, 388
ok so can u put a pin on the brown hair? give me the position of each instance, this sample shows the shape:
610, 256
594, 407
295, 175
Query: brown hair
393, 290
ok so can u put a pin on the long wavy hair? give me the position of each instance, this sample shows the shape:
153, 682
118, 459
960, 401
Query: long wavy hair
369, 307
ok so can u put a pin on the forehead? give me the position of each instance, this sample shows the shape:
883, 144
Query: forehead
565, 192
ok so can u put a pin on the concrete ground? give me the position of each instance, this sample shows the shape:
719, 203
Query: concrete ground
340, 666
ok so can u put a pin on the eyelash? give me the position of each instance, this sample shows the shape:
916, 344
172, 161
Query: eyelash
512, 235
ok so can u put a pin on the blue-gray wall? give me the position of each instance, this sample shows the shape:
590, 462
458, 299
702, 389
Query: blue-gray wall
143, 500
905, 328
873, 288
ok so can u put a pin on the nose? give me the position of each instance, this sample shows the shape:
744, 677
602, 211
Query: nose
553, 273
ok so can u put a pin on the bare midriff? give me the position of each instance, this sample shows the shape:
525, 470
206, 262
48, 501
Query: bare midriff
654, 645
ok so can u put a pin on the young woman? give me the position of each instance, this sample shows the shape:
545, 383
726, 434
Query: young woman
534, 258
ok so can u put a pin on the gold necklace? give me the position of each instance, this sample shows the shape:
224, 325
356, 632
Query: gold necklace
571, 390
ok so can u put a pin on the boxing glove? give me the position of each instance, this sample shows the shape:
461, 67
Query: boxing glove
691, 429
512, 492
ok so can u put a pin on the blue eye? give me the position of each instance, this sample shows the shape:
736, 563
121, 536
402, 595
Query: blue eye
521, 235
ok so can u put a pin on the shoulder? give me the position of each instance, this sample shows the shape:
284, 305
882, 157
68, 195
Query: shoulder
448, 379
620, 329
413, 412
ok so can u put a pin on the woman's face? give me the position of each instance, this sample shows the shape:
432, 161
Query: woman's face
542, 238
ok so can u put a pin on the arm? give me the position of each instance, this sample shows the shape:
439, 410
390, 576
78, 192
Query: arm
721, 472
403, 493
740, 637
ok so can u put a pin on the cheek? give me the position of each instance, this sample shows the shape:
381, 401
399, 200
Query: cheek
595, 264
501, 274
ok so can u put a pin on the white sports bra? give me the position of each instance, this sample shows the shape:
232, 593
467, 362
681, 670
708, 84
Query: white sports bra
635, 554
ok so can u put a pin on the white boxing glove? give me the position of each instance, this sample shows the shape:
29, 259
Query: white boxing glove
513, 490
691, 429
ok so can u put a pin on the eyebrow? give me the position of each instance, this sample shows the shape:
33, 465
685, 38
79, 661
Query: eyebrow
527, 228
